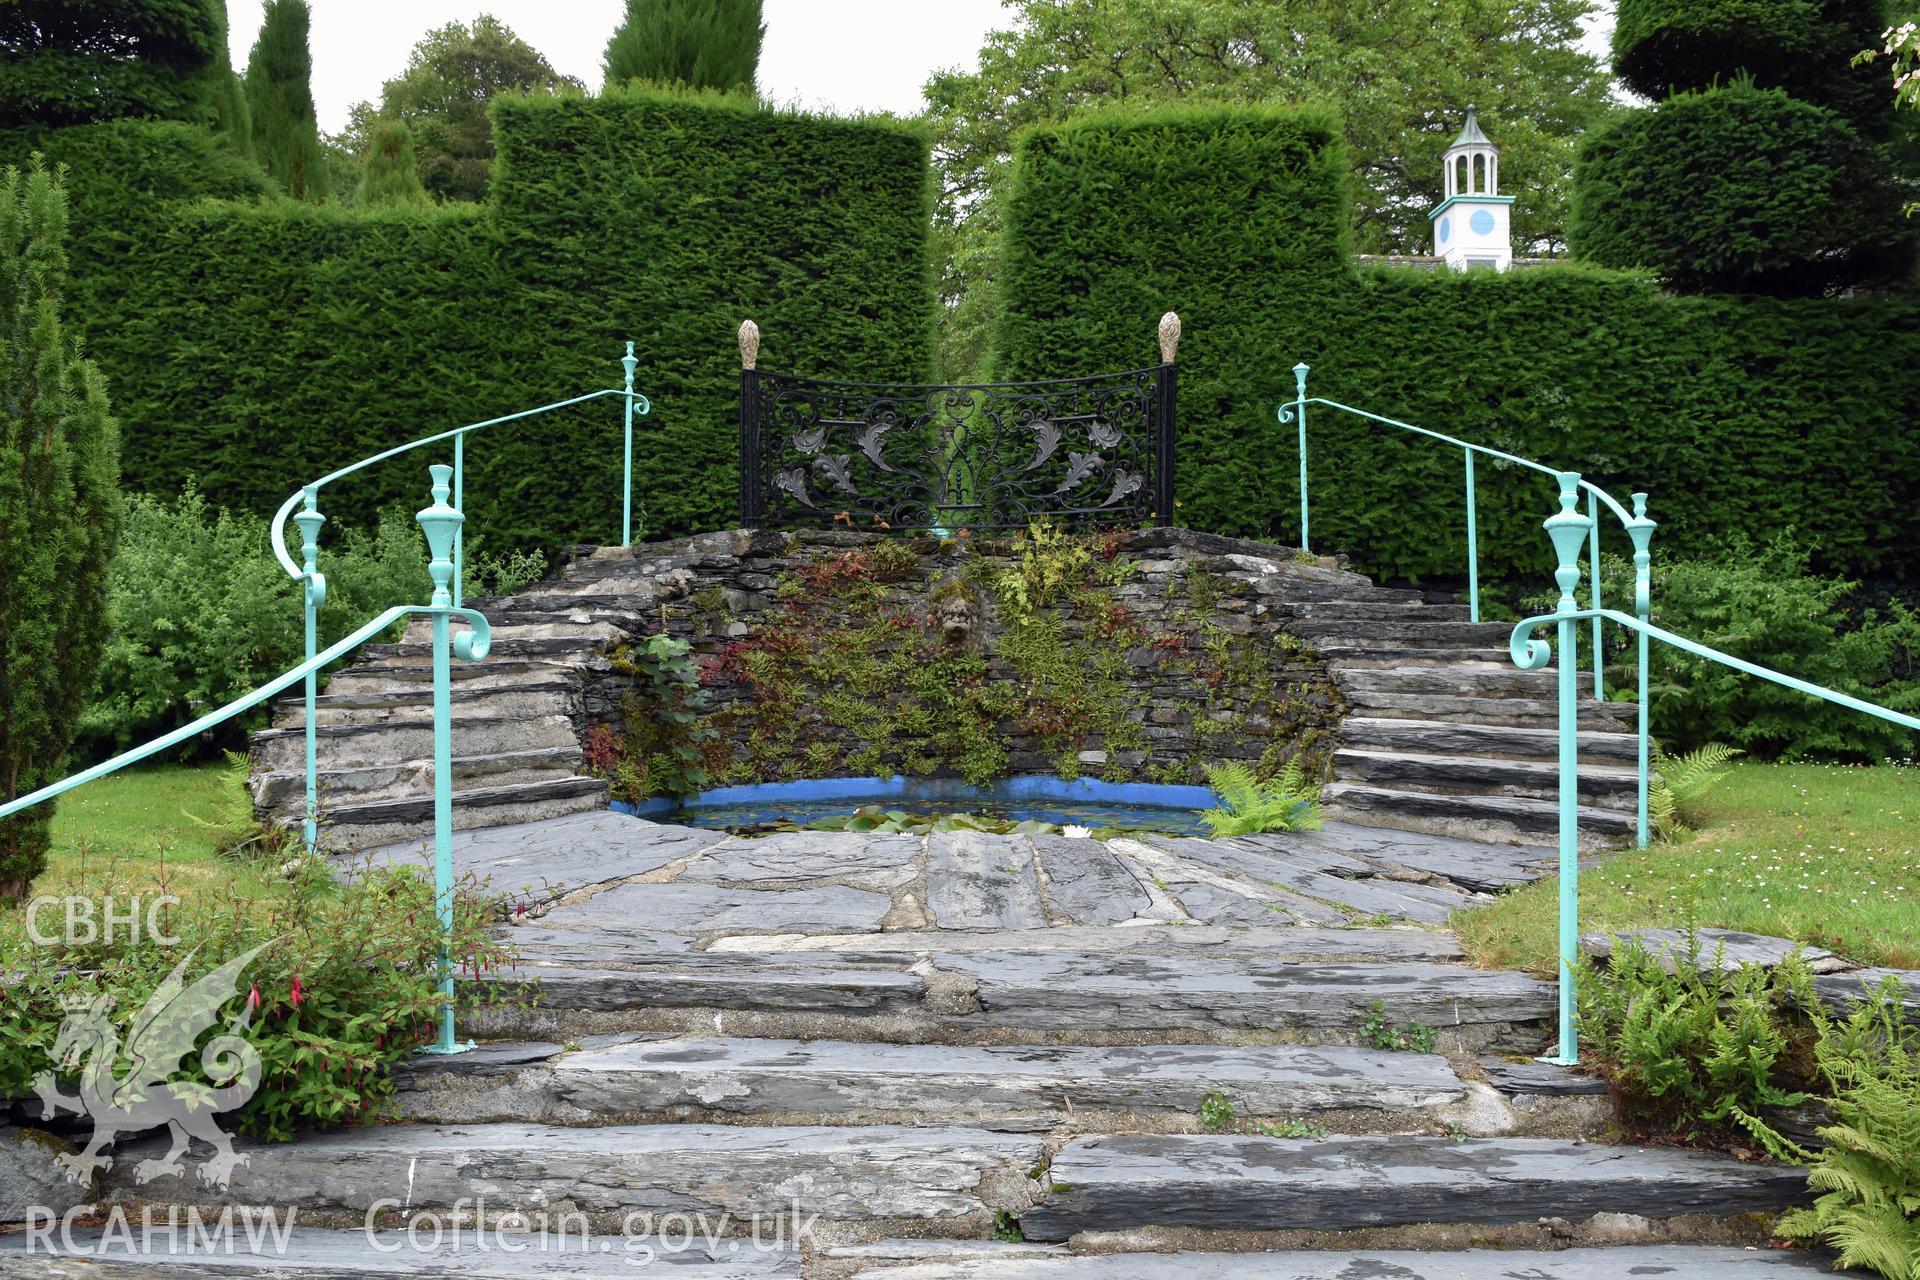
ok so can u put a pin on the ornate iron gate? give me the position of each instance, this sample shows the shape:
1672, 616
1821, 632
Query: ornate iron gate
981, 456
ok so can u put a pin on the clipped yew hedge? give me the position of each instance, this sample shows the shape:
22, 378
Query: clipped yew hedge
1797, 202
253, 343
1804, 46
1746, 413
63, 62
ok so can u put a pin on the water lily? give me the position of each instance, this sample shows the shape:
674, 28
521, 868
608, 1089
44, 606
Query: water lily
1076, 833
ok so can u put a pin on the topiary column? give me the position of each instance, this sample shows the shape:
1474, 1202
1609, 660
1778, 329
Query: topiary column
59, 515
285, 132
1762, 167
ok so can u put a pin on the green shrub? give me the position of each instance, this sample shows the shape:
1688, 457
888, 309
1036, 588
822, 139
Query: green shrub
347, 988
59, 514
201, 613
390, 175
1692, 1053
1739, 188
1762, 604
1733, 412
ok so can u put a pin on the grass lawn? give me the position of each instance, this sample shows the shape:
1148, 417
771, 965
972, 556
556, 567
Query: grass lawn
130, 834
1827, 854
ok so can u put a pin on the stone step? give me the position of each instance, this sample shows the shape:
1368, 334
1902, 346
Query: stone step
527, 698
1365, 611
1516, 819
372, 823
1412, 630
1603, 786
936, 1175
343, 746
993, 1260
401, 678
1342, 656
865, 1082
1444, 737
435, 1251
581, 634
410, 652
1495, 682
1478, 708
991, 996
1117, 1183
288, 790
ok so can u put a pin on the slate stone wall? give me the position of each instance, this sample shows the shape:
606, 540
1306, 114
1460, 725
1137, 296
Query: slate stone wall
1135, 656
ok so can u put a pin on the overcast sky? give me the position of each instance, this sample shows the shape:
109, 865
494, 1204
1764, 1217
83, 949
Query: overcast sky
834, 55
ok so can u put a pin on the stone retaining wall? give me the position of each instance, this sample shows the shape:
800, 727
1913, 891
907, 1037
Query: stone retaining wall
1129, 656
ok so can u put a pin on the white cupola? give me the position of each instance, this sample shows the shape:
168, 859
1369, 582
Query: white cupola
1471, 226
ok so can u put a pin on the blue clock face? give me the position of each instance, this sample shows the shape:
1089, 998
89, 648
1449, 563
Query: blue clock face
1446, 229
1481, 222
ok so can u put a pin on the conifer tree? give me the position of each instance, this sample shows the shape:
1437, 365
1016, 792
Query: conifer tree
286, 135
59, 515
390, 175
706, 44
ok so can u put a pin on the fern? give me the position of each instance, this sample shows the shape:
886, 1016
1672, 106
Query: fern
236, 828
1868, 1173
1678, 783
1249, 807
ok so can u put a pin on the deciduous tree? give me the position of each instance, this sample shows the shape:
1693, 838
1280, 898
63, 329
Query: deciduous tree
442, 97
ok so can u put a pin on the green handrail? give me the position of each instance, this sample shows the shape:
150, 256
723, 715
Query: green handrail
1567, 529
314, 583
1638, 527
441, 524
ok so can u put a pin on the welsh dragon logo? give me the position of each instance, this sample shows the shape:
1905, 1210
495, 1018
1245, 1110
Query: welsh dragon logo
144, 1095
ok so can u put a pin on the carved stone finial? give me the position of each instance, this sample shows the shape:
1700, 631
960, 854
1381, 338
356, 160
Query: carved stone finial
749, 344
1169, 337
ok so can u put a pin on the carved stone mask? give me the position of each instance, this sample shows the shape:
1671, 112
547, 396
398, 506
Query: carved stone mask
955, 616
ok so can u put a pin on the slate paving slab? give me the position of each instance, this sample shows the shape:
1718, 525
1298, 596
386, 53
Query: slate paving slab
1270, 940
1841, 989
1087, 884
878, 1171
311, 1253
533, 861
980, 881
1066, 990
705, 908
1727, 949
1231, 1182
1674, 1262
749, 1077
1540, 1078
784, 984
872, 862
1368, 897
1481, 867
1223, 899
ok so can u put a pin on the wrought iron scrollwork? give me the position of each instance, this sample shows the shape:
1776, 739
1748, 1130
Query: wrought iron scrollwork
984, 456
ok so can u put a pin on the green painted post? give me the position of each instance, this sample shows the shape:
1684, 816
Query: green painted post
1593, 565
627, 362
441, 523
1473, 546
1568, 529
1640, 529
1300, 417
460, 505
313, 593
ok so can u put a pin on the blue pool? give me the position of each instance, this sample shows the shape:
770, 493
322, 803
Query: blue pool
1043, 798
